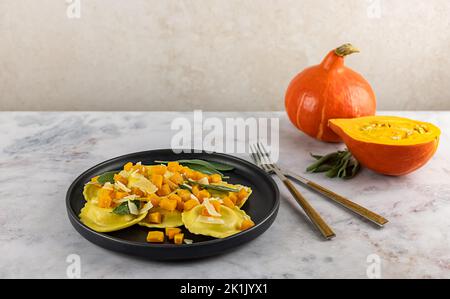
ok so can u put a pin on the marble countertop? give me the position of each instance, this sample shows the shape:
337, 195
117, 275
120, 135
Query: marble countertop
41, 153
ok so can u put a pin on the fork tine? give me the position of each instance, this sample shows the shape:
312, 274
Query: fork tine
257, 156
266, 162
265, 151
254, 156
264, 154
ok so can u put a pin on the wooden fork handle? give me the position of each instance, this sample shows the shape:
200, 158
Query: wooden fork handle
316, 219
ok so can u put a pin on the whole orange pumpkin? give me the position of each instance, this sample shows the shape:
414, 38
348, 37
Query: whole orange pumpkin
328, 90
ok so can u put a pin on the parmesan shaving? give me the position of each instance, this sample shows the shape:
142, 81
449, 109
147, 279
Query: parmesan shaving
146, 208
133, 208
122, 187
210, 208
108, 186
210, 220
203, 181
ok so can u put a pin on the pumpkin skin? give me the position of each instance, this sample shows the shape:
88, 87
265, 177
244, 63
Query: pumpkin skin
325, 91
396, 148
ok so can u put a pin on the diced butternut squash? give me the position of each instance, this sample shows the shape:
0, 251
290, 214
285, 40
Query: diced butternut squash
168, 204
159, 169
184, 194
157, 180
215, 178
186, 171
188, 205
128, 166
233, 197
228, 202
198, 176
154, 217
120, 194
246, 224
119, 178
242, 194
173, 166
155, 199
191, 174
171, 184
204, 212
137, 192
94, 179
165, 190
172, 231
195, 190
203, 194
173, 196
104, 198
176, 178
178, 239
216, 205
155, 237
180, 206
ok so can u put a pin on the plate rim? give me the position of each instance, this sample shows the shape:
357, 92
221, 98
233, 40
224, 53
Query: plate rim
74, 218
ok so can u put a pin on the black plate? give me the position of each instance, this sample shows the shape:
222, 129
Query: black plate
262, 206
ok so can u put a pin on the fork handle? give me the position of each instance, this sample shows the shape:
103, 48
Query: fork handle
321, 225
354, 207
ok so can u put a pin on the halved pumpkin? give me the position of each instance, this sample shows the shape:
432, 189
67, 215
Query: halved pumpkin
389, 145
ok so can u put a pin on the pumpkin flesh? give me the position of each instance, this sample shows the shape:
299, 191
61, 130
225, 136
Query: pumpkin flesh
387, 144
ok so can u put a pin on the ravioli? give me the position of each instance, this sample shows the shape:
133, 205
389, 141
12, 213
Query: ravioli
232, 221
222, 194
169, 219
90, 192
180, 196
104, 220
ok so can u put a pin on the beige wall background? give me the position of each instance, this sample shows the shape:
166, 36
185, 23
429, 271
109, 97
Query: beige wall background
215, 54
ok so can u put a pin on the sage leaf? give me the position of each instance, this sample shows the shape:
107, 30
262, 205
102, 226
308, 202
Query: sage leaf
107, 177
317, 157
214, 187
339, 164
203, 169
221, 166
123, 209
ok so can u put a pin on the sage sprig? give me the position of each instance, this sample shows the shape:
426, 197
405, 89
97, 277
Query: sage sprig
339, 164
213, 187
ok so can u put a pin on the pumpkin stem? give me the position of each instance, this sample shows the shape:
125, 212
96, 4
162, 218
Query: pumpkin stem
346, 49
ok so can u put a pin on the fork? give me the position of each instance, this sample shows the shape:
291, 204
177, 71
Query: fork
262, 158
373, 217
